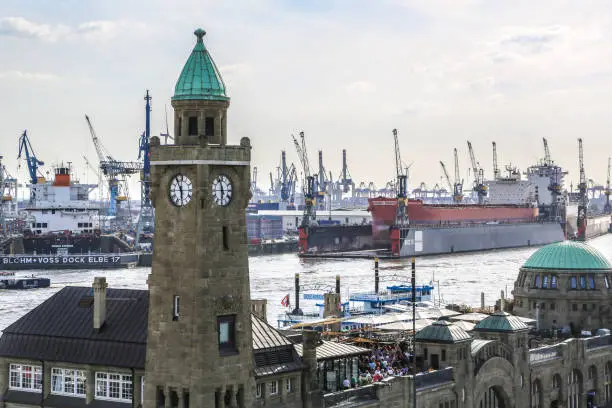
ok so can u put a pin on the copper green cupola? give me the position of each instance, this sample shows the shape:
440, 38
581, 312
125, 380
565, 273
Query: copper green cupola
200, 102
200, 78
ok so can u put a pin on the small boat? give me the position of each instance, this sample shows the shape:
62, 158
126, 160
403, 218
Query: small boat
25, 283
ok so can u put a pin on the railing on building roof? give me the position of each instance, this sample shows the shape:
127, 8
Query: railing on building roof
599, 341
434, 378
544, 353
351, 396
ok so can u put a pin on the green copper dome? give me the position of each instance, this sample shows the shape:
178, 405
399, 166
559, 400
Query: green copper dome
570, 255
501, 322
442, 331
200, 78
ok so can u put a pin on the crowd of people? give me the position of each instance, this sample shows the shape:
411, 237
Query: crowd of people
382, 362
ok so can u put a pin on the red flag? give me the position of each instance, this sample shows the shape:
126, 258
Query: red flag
285, 300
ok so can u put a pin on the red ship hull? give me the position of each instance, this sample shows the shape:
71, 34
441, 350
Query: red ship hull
384, 211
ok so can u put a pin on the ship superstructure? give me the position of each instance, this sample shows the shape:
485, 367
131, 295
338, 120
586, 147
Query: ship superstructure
61, 205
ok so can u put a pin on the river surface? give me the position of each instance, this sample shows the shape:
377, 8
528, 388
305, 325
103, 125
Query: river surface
460, 278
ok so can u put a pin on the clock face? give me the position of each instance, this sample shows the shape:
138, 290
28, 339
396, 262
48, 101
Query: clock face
181, 190
222, 190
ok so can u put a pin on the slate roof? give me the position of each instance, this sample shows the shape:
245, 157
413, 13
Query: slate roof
330, 350
442, 331
273, 352
501, 322
568, 255
61, 329
200, 79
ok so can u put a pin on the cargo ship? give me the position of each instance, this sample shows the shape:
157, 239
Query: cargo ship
439, 229
62, 231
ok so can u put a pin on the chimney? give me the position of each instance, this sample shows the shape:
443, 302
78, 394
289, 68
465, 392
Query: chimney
99, 306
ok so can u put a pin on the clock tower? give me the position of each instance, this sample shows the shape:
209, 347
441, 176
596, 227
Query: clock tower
199, 347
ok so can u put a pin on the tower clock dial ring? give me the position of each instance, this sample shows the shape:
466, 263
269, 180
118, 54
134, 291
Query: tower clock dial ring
222, 190
181, 190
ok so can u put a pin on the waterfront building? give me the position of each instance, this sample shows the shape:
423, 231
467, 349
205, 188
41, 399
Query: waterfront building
565, 286
196, 339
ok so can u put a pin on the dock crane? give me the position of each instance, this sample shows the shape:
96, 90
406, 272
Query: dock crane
607, 206
446, 176
495, 168
115, 171
25, 148
402, 183
285, 178
146, 217
581, 220
478, 184
547, 159
458, 186
322, 183
308, 183
346, 181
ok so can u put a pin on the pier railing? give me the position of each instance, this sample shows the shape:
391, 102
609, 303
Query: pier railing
599, 341
351, 396
433, 378
545, 353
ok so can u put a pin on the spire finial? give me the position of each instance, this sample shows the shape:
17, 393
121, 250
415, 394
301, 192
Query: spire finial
200, 34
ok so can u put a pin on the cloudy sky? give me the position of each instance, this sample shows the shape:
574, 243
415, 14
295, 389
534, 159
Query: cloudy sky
346, 72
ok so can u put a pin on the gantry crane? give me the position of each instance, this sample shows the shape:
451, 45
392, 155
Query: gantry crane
308, 183
478, 184
607, 192
458, 185
581, 220
495, 168
115, 172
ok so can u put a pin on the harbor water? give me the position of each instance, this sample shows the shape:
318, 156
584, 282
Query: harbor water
460, 278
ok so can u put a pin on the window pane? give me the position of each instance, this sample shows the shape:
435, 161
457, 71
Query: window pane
224, 332
591, 282
553, 282
573, 282
545, 282
537, 281
582, 282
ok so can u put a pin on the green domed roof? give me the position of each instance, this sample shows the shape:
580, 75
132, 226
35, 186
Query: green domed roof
571, 255
200, 78
442, 331
501, 322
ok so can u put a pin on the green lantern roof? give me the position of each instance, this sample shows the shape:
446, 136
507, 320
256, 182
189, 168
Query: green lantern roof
442, 331
501, 322
200, 78
570, 255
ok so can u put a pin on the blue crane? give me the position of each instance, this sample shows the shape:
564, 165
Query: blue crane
26, 147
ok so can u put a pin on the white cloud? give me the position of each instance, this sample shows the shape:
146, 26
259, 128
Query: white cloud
22, 28
361, 87
90, 30
28, 76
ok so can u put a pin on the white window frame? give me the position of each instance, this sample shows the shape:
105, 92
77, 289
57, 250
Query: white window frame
78, 377
176, 307
289, 384
21, 372
142, 382
259, 390
103, 378
273, 386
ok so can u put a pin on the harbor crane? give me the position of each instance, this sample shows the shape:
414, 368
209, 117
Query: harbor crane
402, 184
458, 186
583, 203
115, 172
607, 206
286, 180
25, 148
495, 168
146, 216
346, 181
323, 183
478, 184
446, 176
556, 174
547, 159
308, 183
